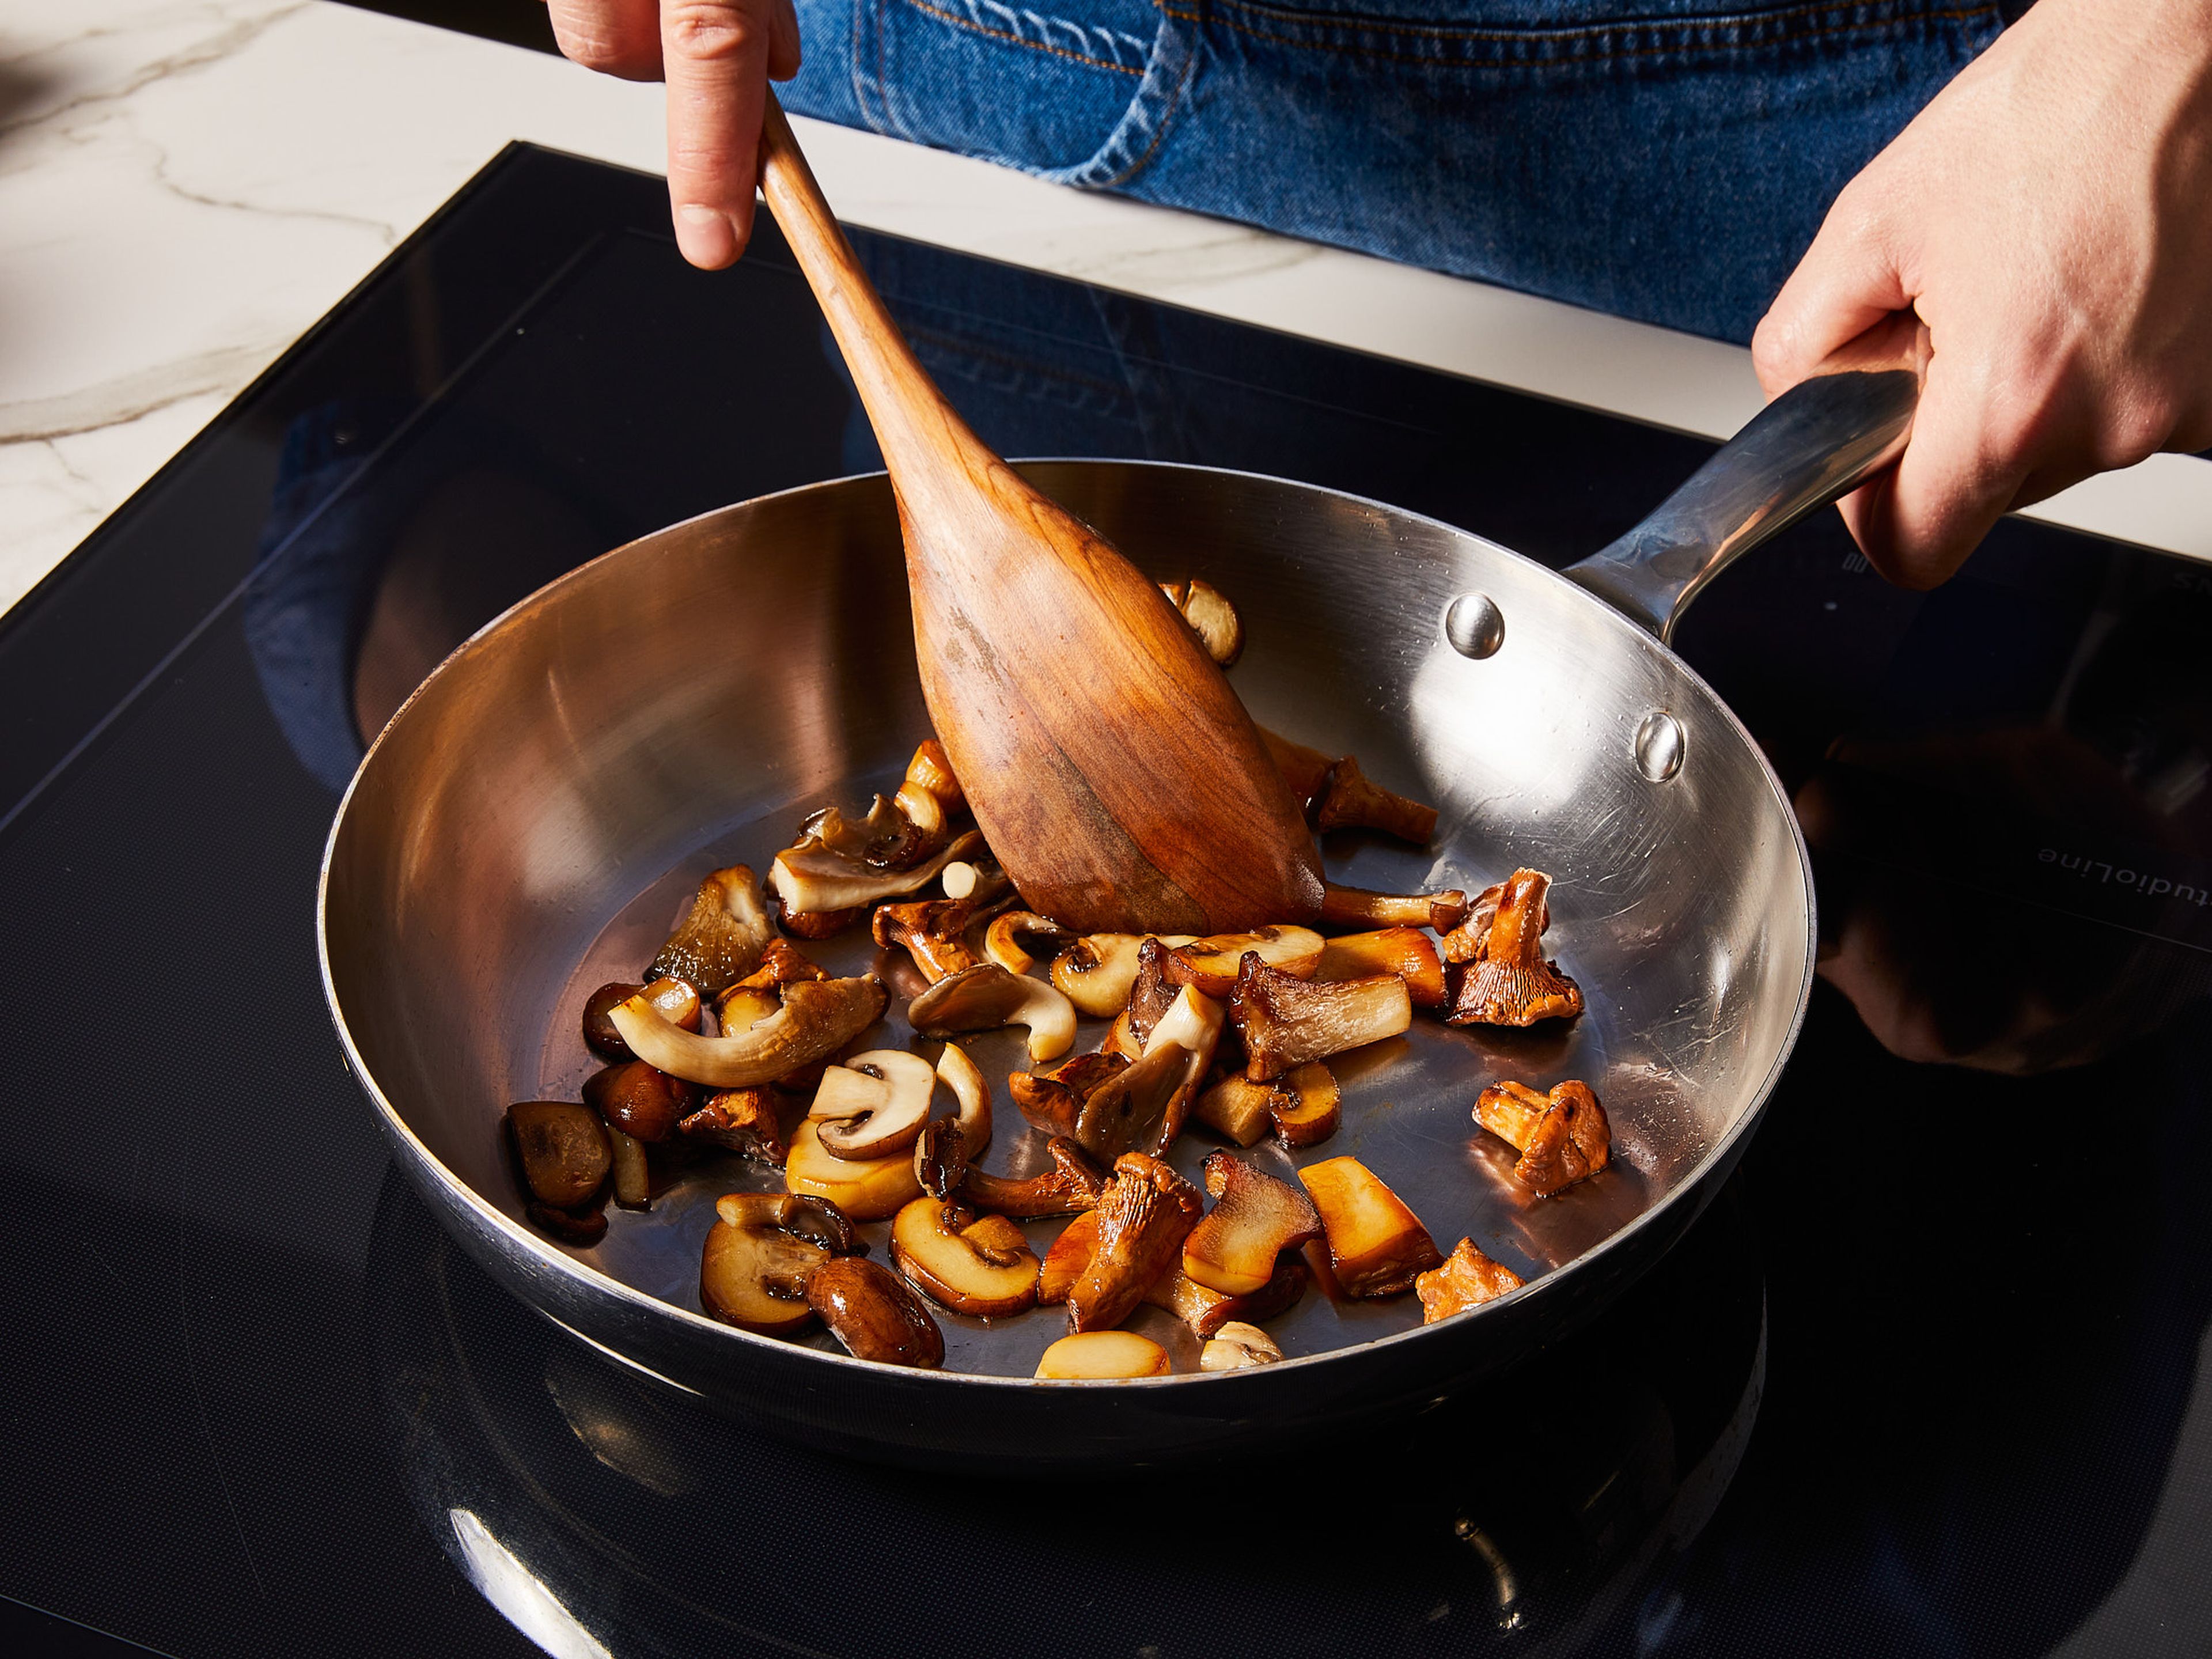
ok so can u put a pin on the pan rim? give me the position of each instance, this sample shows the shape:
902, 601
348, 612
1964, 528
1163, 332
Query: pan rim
592, 1281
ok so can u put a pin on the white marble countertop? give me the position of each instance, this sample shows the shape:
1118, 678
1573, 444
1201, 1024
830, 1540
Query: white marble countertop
185, 185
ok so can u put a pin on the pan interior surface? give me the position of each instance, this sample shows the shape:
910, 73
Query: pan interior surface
534, 821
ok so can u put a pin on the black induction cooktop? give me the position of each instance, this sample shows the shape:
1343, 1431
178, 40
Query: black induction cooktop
1922, 1381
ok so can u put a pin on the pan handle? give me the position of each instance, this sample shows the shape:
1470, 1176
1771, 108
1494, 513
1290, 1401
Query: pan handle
1815, 443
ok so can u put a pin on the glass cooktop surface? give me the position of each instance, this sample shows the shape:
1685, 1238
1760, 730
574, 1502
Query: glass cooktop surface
1923, 1380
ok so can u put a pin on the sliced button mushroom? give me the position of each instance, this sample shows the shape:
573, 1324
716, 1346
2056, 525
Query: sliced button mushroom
978, 1266
1143, 1218
1238, 1346
873, 1190
874, 1313
755, 1278
563, 1150
986, 997
1404, 952
1206, 1309
1356, 907
1467, 1279
883, 1127
720, 941
1563, 1136
677, 1002
812, 877
1353, 801
1103, 1357
1510, 983
639, 1099
1002, 940
959, 1074
1255, 1218
817, 1019
815, 1219
1307, 1106
1211, 617
1376, 1246
747, 1121
1096, 973
1286, 1022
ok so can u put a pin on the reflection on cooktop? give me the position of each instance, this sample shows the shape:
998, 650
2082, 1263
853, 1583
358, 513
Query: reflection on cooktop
604, 1511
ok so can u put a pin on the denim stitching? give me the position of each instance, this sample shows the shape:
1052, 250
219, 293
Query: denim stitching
1582, 45
1169, 105
1013, 34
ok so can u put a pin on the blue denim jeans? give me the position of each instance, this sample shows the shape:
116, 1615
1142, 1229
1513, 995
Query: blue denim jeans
1664, 159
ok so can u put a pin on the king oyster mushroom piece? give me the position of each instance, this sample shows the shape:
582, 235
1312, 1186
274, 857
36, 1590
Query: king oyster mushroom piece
1103, 1357
1467, 1279
1286, 1022
857, 1123
977, 1265
1211, 617
1205, 1310
562, 1148
874, 1313
1404, 952
1563, 1136
1357, 907
759, 1254
1143, 1218
816, 1018
1255, 1218
1002, 939
1238, 1346
1509, 982
1376, 1246
985, 997
1238, 1107
677, 1000
720, 941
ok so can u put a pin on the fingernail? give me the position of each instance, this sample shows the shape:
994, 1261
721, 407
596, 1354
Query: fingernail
704, 235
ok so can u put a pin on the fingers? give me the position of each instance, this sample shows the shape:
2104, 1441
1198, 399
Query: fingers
782, 41
615, 37
1848, 281
715, 54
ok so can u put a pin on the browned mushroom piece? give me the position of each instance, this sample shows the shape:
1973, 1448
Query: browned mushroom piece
639, 1099
1238, 1346
1213, 964
970, 1093
817, 925
1002, 939
1238, 1107
677, 1002
1205, 1310
1143, 1107
833, 866
562, 1148
782, 963
940, 1158
1211, 617
1103, 1357
985, 997
980, 1266
858, 1123
1407, 952
1467, 1279
933, 931
1095, 972
747, 1121
1354, 801
582, 1228
802, 1215
1305, 770
720, 941
1074, 1183
760, 1253
1052, 1099
929, 796
874, 1313
1143, 1218
1255, 1218
1152, 993
1068, 1256
1376, 1246
1307, 1107
816, 1018
1286, 1022
1357, 907
1470, 940
1563, 1136
1510, 983
632, 1182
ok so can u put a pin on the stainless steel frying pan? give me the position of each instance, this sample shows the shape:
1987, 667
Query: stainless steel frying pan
532, 820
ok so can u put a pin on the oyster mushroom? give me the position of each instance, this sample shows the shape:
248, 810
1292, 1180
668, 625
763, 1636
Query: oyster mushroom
1563, 1136
1205, 1311
639, 1099
931, 931
1357, 907
856, 1124
1002, 940
1211, 617
746, 1121
1404, 952
1510, 983
817, 1019
1353, 801
874, 1313
759, 1254
1306, 1107
986, 997
1143, 1218
1467, 1279
1255, 1218
1376, 1246
1238, 1346
1143, 1106
1102, 1356
1052, 1100
562, 1148
812, 877
978, 1266
677, 1002
1286, 1022
720, 941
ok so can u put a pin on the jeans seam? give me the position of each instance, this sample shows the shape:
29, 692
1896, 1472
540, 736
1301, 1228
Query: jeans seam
1550, 38
1170, 105
973, 25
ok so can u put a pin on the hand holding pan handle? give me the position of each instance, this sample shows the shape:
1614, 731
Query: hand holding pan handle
1814, 444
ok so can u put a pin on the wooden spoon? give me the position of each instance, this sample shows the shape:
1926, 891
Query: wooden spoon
1108, 763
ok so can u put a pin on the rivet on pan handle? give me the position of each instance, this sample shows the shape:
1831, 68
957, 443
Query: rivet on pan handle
1817, 442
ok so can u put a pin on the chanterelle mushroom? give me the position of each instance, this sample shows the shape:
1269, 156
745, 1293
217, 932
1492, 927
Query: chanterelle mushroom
1510, 983
720, 941
1467, 1279
818, 1018
933, 931
1561, 1137
986, 997
1143, 1218
1352, 801
1287, 1022
746, 1121
1072, 1184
